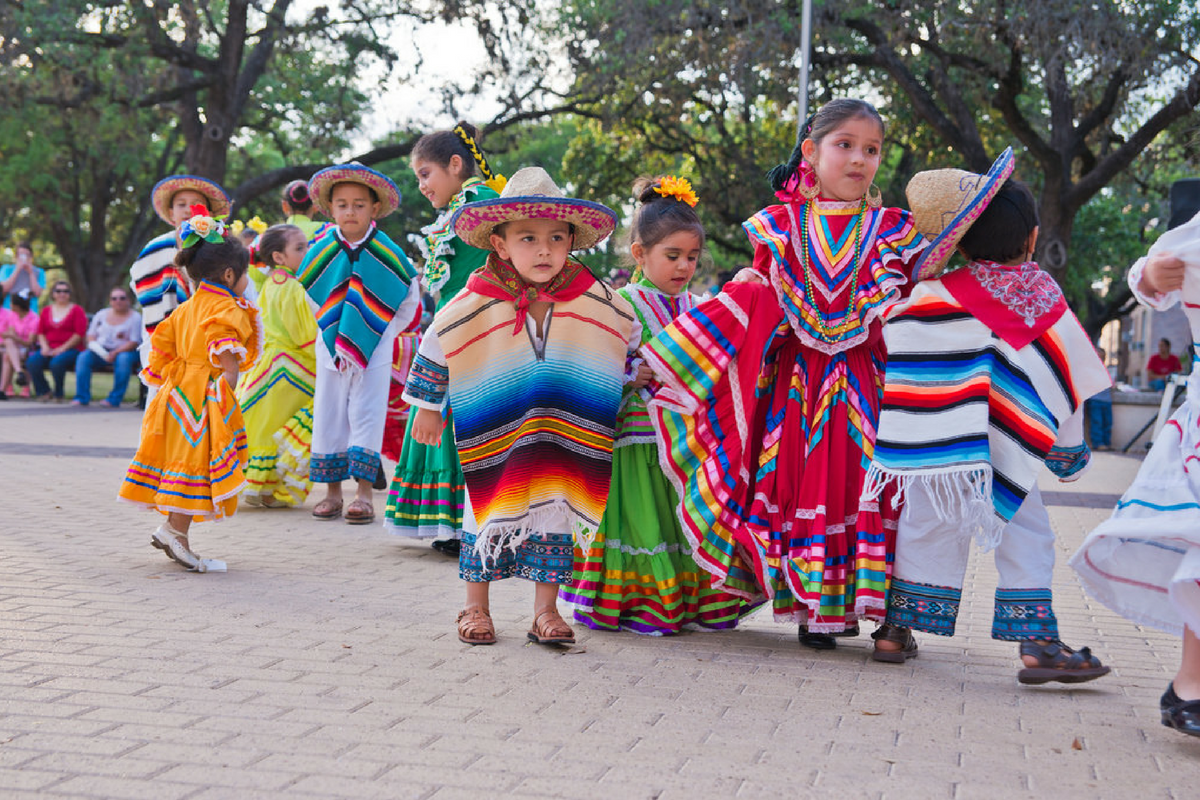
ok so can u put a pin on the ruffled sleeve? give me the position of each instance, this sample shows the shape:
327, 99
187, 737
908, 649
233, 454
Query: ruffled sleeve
163, 353
768, 231
234, 327
898, 243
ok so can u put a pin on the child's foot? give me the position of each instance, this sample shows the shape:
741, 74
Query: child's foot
817, 641
475, 626
271, 501
449, 547
550, 628
894, 644
1046, 660
329, 508
175, 545
1182, 715
360, 512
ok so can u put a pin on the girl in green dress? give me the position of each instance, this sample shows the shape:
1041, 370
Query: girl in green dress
428, 494
639, 574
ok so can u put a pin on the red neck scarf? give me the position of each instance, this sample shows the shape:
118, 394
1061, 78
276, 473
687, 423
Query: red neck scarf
498, 279
1018, 303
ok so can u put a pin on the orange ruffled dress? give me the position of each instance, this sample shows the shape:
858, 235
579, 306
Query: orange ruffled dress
193, 447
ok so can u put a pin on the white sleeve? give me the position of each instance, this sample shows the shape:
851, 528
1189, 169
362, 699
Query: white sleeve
431, 353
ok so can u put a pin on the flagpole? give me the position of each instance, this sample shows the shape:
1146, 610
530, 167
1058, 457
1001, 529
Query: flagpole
806, 53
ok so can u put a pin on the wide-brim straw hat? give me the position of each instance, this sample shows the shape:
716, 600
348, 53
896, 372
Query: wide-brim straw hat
165, 190
946, 202
532, 194
320, 187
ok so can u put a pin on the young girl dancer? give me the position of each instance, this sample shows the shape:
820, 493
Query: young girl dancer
428, 490
639, 574
190, 461
772, 389
1144, 561
276, 396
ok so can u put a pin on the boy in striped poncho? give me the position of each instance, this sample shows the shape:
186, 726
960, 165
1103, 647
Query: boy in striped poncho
986, 377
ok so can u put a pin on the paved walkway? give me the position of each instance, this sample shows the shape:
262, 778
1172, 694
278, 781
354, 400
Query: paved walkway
324, 664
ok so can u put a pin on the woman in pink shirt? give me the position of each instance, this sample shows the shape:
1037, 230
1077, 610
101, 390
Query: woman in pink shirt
18, 330
62, 326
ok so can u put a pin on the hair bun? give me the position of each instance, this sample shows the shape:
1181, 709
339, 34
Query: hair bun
644, 189
297, 192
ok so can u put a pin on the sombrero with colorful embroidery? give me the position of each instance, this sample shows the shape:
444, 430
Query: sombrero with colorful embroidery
165, 190
532, 194
946, 202
320, 187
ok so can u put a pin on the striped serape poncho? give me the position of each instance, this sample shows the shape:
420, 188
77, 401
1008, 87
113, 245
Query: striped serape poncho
358, 290
534, 426
985, 367
160, 286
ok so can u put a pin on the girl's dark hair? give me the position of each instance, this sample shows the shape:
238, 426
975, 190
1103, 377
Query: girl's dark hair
657, 217
817, 127
1002, 230
25, 246
296, 195
439, 147
205, 261
274, 240
20, 299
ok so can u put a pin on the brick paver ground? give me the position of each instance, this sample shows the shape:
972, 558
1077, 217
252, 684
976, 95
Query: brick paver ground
324, 664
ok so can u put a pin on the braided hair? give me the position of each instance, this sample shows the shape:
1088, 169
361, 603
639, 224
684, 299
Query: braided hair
439, 147
819, 125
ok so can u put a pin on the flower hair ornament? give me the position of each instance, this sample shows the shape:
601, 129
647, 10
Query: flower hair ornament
678, 188
201, 227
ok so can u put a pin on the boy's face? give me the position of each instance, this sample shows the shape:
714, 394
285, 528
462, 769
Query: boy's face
353, 209
181, 205
537, 248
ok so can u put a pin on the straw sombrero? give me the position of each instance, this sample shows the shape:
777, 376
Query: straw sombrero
532, 194
946, 202
165, 190
320, 187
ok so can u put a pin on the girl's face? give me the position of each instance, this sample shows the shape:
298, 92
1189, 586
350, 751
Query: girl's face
293, 254
847, 158
438, 183
181, 205
671, 262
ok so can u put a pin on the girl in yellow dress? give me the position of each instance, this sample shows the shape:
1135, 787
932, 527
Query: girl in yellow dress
276, 395
190, 461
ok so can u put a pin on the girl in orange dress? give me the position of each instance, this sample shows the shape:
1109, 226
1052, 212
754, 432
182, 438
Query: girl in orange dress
189, 464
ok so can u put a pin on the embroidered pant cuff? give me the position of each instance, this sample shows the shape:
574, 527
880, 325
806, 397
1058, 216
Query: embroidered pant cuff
329, 468
923, 607
1024, 614
364, 463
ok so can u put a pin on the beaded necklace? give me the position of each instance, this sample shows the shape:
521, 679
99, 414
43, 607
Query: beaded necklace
828, 332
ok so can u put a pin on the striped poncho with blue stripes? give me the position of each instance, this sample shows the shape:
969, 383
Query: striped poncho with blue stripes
966, 412
357, 290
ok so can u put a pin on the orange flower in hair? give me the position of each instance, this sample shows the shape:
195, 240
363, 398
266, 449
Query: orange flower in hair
679, 188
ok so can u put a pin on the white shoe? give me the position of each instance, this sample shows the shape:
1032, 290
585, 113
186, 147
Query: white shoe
166, 540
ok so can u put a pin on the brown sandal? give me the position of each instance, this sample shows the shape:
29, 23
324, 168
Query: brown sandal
898, 635
474, 621
327, 509
360, 512
550, 628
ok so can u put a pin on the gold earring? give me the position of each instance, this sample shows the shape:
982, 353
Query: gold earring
809, 191
874, 196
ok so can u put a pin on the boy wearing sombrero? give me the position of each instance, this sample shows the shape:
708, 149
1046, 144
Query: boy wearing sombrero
161, 286
531, 356
986, 376
362, 286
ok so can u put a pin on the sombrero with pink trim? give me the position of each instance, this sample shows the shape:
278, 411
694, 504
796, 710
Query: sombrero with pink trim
532, 194
165, 190
946, 202
320, 187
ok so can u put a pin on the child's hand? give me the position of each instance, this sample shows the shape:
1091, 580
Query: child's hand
748, 275
643, 377
427, 427
1163, 273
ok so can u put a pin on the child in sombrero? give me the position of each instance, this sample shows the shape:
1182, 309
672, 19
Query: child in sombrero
987, 373
531, 356
362, 285
159, 284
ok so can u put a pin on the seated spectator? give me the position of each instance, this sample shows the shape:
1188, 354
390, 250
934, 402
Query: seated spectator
112, 341
22, 276
62, 326
18, 330
1162, 365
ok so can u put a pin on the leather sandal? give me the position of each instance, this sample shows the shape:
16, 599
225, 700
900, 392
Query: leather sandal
1057, 662
327, 509
550, 628
1182, 715
360, 512
475, 621
896, 634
